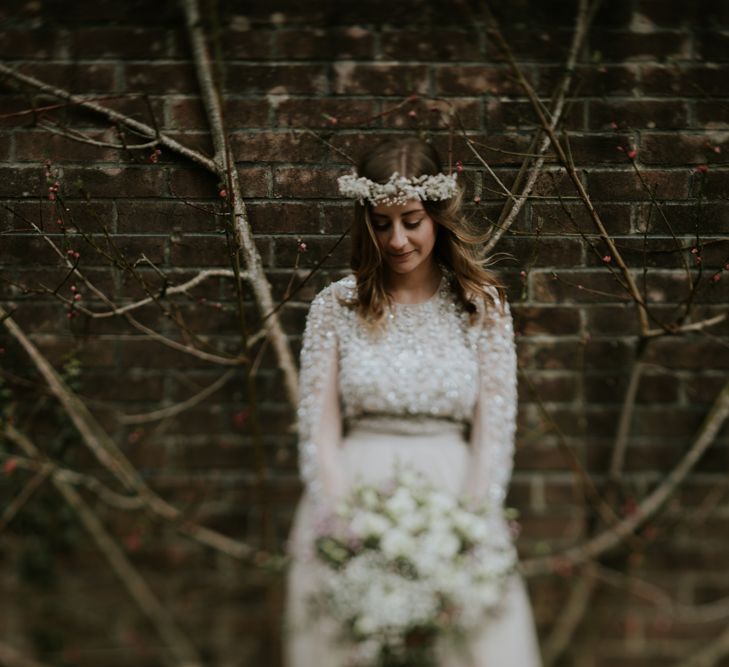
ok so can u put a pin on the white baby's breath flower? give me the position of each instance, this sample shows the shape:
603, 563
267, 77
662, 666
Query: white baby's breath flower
396, 543
369, 498
414, 522
369, 524
441, 503
398, 189
401, 503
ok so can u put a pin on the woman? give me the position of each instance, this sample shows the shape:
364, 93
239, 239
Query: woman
410, 358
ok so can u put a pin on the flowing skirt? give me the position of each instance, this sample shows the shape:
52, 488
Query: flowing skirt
508, 638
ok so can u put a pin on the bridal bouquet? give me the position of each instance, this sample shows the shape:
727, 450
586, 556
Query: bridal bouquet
406, 563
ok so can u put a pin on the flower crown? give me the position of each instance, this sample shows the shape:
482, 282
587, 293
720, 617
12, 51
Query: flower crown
398, 189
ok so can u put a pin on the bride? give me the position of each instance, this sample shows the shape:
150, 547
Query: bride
408, 359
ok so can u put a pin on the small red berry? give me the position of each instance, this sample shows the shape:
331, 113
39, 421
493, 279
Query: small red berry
223, 194
632, 153
9, 466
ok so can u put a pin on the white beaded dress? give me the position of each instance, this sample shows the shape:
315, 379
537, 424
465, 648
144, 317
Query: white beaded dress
429, 390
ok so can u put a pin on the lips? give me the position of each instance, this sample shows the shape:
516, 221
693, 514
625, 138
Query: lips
402, 256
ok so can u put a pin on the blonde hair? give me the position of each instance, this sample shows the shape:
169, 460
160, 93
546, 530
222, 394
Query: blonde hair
458, 245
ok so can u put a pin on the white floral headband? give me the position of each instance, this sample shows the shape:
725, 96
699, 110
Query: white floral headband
398, 189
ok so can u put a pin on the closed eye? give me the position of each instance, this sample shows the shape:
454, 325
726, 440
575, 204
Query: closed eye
382, 226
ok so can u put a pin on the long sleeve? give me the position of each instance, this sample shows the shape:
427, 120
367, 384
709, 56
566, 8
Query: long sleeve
494, 421
319, 411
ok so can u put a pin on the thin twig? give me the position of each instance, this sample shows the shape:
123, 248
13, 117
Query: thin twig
177, 641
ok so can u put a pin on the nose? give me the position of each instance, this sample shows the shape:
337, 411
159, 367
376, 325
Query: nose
398, 238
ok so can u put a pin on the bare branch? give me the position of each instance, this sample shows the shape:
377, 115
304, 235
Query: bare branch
648, 507
177, 641
85, 103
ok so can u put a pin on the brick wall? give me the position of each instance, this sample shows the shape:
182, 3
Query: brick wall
651, 79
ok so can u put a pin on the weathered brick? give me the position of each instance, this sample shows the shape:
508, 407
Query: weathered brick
242, 79
196, 183
92, 216
590, 149
247, 44
305, 183
424, 113
711, 114
659, 45
143, 181
37, 146
431, 44
627, 185
674, 353
193, 250
162, 78
351, 78
286, 218
555, 389
533, 321
573, 217
90, 77
570, 286
681, 80
694, 218
334, 43
712, 184
534, 252
652, 389
317, 248
119, 43
38, 44
169, 216
591, 81
506, 114
476, 80
627, 114
679, 148
611, 320
329, 113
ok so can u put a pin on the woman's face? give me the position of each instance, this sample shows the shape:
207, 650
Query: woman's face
405, 233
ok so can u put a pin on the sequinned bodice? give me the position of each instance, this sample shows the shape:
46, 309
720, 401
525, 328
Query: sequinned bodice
426, 366
421, 363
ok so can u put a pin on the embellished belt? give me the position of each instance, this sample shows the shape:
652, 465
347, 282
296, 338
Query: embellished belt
407, 424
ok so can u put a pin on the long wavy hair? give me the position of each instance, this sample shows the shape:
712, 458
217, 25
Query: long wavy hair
458, 245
